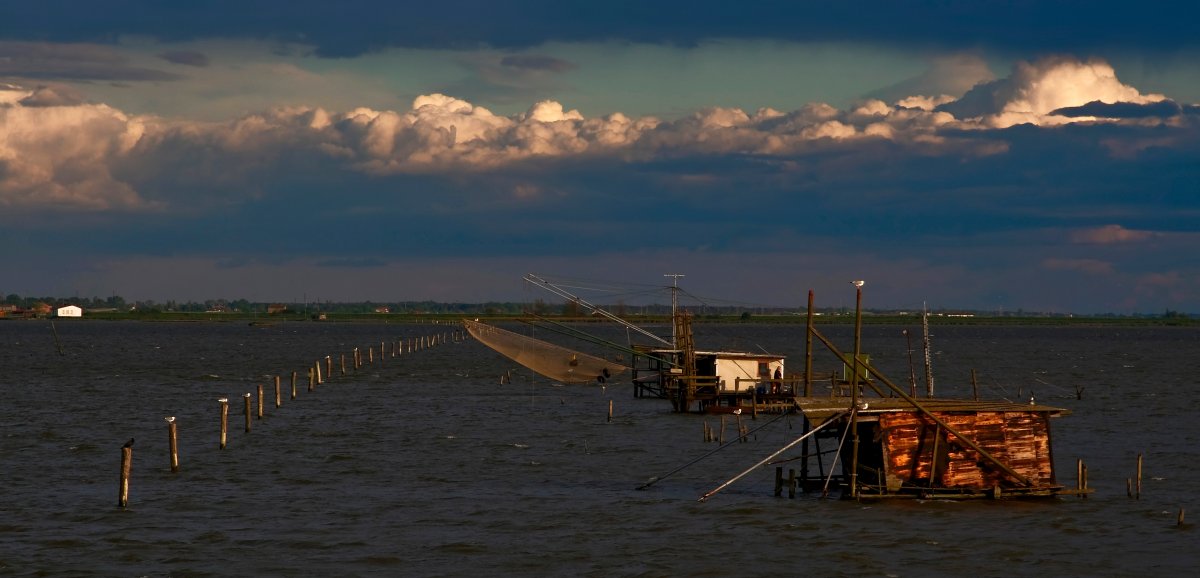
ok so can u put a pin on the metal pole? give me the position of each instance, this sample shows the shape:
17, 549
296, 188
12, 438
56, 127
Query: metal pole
808, 349
854, 391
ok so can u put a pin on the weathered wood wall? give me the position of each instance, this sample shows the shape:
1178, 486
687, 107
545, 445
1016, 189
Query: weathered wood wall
1019, 439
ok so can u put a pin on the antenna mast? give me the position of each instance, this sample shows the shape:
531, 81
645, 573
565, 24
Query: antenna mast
674, 308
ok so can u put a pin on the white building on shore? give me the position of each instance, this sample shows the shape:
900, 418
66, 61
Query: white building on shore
70, 311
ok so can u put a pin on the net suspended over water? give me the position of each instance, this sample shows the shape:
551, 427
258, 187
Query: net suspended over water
550, 360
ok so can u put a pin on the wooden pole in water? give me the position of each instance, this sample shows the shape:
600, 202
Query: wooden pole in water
260, 401
247, 398
224, 419
329, 366
126, 469
343, 357
974, 384
293, 385
1179, 520
173, 443
1085, 482
610, 409
1139, 477
1079, 476
317, 371
278, 399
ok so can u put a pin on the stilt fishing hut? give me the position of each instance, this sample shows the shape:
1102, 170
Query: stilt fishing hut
892, 444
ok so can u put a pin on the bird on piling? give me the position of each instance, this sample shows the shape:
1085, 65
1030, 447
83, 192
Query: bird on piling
128, 444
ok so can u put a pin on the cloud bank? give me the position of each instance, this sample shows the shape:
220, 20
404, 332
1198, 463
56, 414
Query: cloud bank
58, 152
1057, 170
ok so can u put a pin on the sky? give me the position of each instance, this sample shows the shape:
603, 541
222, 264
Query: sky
996, 156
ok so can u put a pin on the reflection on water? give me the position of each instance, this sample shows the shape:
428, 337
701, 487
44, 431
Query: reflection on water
427, 465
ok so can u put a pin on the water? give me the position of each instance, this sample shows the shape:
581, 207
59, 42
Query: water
428, 466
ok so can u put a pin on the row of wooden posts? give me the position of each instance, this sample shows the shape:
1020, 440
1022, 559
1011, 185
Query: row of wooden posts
718, 434
315, 378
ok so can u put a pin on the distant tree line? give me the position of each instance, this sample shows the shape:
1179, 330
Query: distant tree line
502, 308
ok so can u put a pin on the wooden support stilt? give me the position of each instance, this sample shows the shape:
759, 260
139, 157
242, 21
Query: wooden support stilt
778, 481
610, 410
278, 399
293, 385
259, 411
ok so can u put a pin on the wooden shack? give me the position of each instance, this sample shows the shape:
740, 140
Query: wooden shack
946, 448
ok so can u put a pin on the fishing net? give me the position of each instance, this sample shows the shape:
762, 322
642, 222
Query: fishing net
547, 359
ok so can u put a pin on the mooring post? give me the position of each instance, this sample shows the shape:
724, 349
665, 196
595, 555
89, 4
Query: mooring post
792, 483
1179, 520
778, 481
293, 385
260, 401
1079, 476
974, 384
247, 398
317, 371
126, 468
224, 401
329, 366
173, 443
610, 409
342, 356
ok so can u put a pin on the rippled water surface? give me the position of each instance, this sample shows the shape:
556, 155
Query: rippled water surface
427, 465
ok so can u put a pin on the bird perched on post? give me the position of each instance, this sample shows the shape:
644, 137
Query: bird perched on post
128, 444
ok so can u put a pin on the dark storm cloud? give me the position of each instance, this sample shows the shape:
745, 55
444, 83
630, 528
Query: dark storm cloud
533, 62
356, 26
185, 57
37, 60
1160, 109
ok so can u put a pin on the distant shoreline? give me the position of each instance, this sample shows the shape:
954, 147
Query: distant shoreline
444, 318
